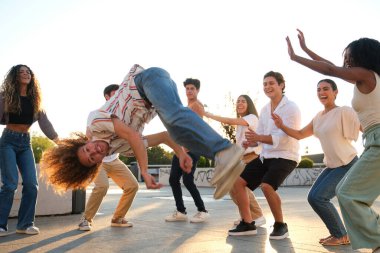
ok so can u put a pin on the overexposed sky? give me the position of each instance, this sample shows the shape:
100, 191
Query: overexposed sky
77, 47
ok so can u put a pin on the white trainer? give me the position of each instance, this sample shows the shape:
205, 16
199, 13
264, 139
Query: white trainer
3, 232
32, 230
226, 182
200, 217
176, 216
258, 222
84, 225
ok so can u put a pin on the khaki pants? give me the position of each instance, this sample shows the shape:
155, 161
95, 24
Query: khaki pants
123, 177
254, 206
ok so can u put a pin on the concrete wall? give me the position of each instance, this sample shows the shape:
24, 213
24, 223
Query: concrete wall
48, 202
202, 176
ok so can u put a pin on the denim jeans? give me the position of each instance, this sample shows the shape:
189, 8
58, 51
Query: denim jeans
320, 194
185, 127
188, 180
16, 155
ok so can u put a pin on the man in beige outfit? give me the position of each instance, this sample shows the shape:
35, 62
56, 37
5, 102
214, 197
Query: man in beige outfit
114, 168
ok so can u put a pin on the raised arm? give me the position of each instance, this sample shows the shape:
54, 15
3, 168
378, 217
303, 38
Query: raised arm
310, 53
297, 134
363, 78
225, 120
136, 142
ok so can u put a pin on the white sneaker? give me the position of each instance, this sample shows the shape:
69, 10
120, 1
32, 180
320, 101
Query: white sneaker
258, 222
3, 232
225, 160
200, 217
176, 216
84, 225
32, 230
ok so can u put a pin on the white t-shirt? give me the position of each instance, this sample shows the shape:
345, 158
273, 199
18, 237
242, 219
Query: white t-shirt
252, 121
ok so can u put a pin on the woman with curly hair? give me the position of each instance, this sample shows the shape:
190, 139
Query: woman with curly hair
360, 187
20, 107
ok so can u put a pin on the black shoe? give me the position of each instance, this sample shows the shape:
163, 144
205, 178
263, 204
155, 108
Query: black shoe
280, 231
244, 229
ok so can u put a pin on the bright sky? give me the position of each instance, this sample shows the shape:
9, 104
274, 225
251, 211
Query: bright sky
77, 47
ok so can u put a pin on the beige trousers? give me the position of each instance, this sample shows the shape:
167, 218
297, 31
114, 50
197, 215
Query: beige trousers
123, 177
254, 206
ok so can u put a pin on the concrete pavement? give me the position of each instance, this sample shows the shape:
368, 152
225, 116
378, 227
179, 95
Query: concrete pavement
152, 234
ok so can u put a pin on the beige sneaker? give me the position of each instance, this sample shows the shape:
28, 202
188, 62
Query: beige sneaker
121, 222
200, 217
225, 184
84, 225
225, 161
32, 230
176, 216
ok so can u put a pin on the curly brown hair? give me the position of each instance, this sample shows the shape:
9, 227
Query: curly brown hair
61, 168
11, 91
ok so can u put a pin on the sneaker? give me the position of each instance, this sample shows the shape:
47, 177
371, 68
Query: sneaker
225, 160
176, 216
258, 222
3, 232
280, 231
225, 184
121, 222
200, 217
32, 230
84, 225
244, 228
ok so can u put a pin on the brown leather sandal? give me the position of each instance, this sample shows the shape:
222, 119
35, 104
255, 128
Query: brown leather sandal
324, 239
333, 241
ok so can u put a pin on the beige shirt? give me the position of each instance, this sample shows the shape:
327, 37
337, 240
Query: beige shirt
336, 130
368, 105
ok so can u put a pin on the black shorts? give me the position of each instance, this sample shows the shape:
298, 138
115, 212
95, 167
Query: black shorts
272, 171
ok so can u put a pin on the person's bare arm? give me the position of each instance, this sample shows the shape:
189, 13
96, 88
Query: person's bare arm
135, 141
297, 134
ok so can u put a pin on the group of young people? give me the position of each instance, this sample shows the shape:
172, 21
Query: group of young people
265, 153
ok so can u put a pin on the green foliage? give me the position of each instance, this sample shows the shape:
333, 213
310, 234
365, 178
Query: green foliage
39, 144
306, 163
203, 162
156, 155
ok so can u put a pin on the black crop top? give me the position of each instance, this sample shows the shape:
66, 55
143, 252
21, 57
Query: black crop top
26, 115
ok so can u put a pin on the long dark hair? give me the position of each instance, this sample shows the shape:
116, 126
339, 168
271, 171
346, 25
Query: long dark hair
251, 109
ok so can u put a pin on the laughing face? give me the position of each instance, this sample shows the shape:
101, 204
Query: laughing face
24, 75
272, 88
92, 152
326, 94
241, 106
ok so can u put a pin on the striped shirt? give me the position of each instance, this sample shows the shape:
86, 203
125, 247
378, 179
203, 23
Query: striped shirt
127, 105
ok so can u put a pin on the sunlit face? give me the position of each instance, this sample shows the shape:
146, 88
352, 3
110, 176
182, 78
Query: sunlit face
347, 59
272, 88
92, 152
241, 106
24, 75
326, 94
191, 92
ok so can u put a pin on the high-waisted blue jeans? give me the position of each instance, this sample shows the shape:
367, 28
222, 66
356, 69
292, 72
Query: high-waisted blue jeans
185, 127
16, 155
320, 194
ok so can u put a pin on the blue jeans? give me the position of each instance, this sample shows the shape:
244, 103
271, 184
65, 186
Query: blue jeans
16, 155
185, 127
188, 180
320, 194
